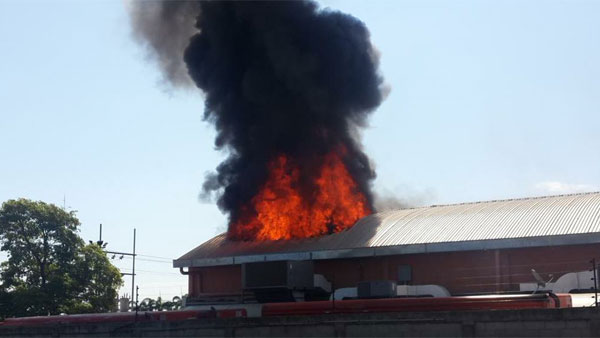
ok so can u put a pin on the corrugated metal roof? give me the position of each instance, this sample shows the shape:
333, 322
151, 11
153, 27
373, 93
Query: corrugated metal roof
551, 220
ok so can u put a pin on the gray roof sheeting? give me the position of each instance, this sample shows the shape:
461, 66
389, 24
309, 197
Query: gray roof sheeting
539, 221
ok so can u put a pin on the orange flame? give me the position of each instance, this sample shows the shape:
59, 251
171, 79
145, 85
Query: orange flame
281, 211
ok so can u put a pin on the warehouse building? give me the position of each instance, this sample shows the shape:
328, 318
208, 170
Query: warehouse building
483, 247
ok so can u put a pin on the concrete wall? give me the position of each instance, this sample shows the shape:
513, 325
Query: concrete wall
575, 322
459, 272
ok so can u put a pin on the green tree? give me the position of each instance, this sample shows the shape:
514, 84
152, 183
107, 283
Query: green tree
49, 269
97, 281
148, 304
174, 304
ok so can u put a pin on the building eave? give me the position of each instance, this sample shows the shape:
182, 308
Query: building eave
507, 243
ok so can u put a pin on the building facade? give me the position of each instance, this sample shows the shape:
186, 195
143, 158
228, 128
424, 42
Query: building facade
483, 247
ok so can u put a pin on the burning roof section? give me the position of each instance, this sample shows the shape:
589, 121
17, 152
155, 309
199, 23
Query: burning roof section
540, 221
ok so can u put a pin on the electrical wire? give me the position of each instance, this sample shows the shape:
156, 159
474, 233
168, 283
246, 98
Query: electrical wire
143, 255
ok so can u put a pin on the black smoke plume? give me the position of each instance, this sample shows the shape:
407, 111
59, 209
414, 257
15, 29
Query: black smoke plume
165, 28
279, 77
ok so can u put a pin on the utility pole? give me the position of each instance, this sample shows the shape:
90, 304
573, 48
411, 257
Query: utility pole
133, 267
137, 294
132, 254
595, 272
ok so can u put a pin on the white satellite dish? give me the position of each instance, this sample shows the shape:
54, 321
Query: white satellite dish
541, 283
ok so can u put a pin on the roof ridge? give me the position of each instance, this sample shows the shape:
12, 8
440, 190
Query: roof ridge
492, 201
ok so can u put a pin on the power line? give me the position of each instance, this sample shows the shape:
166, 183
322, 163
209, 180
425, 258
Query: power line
164, 287
117, 254
153, 260
156, 257
157, 272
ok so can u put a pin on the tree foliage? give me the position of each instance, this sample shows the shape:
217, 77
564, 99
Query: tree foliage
149, 304
49, 269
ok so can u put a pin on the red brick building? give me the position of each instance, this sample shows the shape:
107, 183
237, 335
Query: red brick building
467, 248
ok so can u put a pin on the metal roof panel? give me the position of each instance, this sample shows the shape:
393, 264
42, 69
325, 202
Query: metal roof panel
438, 228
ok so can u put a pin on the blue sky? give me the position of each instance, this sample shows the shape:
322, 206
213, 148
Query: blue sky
489, 100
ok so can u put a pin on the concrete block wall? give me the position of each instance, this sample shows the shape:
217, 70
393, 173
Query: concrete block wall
574, 322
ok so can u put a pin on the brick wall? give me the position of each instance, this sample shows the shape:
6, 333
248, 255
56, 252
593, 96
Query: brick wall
460, 272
